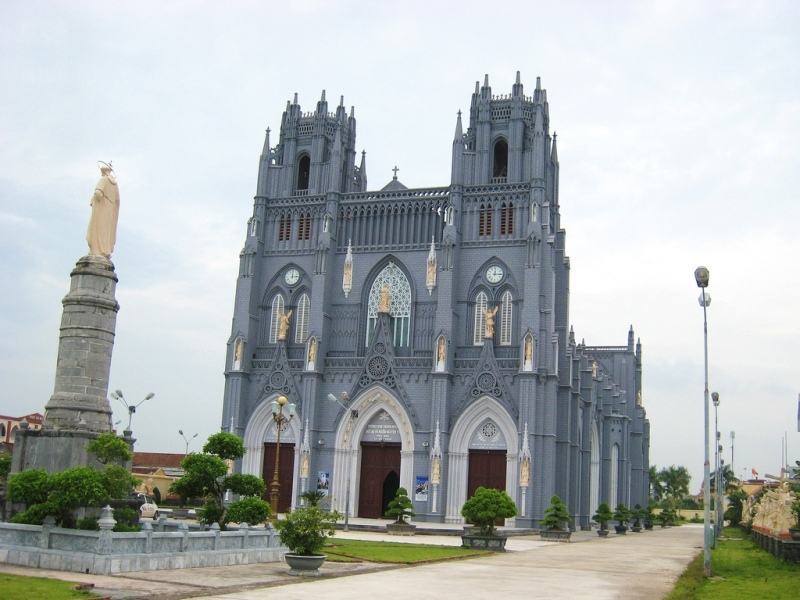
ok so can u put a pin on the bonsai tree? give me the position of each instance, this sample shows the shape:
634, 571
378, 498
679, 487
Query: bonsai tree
603, 516
304, 530
637, 514
314, 497
206, 476
648, 516
556, 514
622, 515
400, 507
250, 509
486, 506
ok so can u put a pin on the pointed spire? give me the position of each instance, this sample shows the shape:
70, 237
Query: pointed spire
341, 100
538, 84
295, 98
553, 150
265, 151
322, 99
459, 135
477, 87
352, 112
516, 89
486, 80
518, 78
630, 338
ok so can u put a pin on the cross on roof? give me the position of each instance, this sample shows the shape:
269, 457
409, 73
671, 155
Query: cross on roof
395, 171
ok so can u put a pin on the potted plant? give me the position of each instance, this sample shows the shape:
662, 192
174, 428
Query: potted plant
637, 514
482, 510
648, 517
621, 515
304, 531
795, 531
603, 516
313, 497
555, 516
401, 509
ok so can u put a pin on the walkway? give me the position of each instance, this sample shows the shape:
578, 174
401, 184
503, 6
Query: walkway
643, 565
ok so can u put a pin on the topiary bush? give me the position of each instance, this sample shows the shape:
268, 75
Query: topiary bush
486, 506
400, 507
556, 514
304, 530
622, 515
603, 516
250, 510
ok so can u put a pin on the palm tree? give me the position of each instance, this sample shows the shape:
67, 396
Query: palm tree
656, 489
675, 482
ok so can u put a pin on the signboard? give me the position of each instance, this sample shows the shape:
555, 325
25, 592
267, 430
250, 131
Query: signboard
381, 428
421, 489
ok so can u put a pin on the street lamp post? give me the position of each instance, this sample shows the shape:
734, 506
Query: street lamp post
117, 395
701, 276
717, 447
353, 417
277, 415
185, 439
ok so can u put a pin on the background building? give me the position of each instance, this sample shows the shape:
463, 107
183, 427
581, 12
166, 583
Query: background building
433, 403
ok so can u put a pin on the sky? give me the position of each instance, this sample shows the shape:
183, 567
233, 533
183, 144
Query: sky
677, 130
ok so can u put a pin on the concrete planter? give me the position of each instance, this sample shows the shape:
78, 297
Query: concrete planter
400, 529
555, 535
636, 529
602, 532
495, 543
795, 533
621, 529
304, 566
648, 525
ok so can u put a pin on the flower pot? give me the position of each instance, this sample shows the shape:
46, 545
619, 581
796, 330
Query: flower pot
400, 529
648, 526
555, 535
304, 566
636, 529
495, 543
621, 529
602, 532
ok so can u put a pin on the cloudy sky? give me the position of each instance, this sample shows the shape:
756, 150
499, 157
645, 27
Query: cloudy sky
678, 125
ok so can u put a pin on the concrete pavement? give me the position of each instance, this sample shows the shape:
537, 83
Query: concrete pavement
637, 565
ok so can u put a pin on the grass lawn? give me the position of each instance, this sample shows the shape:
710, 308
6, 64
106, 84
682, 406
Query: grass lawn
341, 550
18, 587
740, 569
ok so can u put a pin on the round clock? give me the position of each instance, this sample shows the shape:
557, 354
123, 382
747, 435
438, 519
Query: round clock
494, 274
292, 276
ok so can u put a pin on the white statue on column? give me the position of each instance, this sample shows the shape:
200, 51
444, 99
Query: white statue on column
101, 235
238, 353
527, 354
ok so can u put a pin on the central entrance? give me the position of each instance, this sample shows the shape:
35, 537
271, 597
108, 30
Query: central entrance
285, 473
487, 468
380, 478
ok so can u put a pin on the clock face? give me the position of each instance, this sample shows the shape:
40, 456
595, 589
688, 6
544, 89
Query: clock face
494, 274
292, 276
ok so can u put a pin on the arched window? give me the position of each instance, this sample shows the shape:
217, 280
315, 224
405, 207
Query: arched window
507, 219
500, 159
284, 227
506, 318
277, 311
304, 227
485, 220
301, 320
303, 172
480, 319
399, 309
614, 476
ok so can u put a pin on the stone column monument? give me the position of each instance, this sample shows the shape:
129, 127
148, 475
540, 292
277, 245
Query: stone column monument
79, 409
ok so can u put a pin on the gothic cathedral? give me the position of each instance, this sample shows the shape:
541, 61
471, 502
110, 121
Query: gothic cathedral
423, 335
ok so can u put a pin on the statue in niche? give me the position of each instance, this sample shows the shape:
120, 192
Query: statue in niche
489, 327
305, 466
441, 353
238, 353
385, 301
312, 354
524, 472
436, 471
639, 398
101, 234
527, 354
283, 325
594, 369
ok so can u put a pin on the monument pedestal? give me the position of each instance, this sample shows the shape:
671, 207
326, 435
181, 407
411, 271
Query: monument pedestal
78, 410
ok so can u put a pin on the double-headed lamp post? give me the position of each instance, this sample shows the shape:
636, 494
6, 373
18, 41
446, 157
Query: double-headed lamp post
117, 395
353, 417
186, 439
277, 406
701, 276
717, 446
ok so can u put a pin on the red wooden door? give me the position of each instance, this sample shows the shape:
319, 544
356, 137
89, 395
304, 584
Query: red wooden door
487, 468
379, 479
285, 473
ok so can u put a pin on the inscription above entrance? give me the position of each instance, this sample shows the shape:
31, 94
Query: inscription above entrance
381, 428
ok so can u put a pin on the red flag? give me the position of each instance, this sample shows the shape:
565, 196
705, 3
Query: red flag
754, 472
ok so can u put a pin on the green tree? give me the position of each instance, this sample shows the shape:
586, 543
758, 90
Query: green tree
250, 510
486, 506
675, 485
5, 466
556, 514
304, 530
400, 506
603, 516
656, 489
206, 476
110, 449
29, 487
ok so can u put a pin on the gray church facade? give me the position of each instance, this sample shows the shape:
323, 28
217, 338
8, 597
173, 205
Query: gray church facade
439, 319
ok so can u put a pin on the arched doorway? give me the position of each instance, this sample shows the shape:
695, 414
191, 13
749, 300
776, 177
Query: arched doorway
260, 439
500, 453
381, 441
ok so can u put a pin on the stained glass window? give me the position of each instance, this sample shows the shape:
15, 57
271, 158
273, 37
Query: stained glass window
301, 321
506, 317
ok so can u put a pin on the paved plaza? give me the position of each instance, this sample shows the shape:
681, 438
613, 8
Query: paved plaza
641, 565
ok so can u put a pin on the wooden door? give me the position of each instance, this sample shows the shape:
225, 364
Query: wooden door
285, 473
379, 478
487, 468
